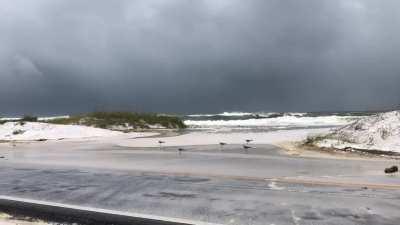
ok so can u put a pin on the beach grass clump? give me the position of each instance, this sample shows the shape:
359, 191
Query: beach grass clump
123, 120
72, 120
17, 132
29, 118
313, 140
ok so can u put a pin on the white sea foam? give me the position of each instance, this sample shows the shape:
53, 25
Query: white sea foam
39, 118
222, 114
283, 121
9, 118
201, 115
52, 118
235, 114
239, 114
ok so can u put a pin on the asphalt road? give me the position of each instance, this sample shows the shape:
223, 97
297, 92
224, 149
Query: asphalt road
264, 186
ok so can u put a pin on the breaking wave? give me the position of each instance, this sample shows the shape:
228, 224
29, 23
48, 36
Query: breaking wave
271, 120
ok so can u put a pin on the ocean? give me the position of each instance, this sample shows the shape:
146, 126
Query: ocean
267, 121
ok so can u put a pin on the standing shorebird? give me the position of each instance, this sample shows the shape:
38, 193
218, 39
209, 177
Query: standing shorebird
160, 143
246, 147
248, 141
180, 150
221, 145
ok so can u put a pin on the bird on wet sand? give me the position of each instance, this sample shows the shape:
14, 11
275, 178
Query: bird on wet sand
160, 143
221, 145
180, 150
248, 141
246, 147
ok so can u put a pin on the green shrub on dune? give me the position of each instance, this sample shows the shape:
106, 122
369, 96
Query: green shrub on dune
28, 118
74, 120
123, 120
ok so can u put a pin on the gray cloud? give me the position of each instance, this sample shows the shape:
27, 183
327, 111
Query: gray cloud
66, 56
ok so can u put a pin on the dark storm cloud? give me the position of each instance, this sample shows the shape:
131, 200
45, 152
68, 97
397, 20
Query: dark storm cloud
59, 56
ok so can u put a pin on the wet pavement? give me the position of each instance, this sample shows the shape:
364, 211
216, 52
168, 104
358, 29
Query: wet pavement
264, 186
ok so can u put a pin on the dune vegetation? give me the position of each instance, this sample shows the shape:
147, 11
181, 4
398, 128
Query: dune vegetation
124, 121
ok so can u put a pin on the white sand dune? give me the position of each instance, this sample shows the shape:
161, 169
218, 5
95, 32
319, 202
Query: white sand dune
37, 130
378, 132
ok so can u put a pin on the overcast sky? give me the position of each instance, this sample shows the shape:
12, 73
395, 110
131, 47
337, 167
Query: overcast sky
186, 56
